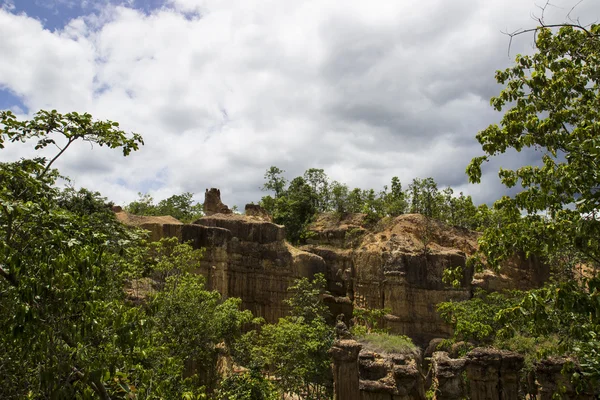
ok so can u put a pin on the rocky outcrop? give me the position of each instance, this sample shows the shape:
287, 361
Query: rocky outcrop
448, 382
553, 383
493, 374
344, 355
247, 229
486, 373
519, 272
367, 375
245, 257
254, 210
213, 204
143, 220
399, 263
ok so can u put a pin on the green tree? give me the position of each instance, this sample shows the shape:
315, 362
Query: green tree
550, 104
339, 197
180, 206
250, 385
295, 209
372, 206
458, 210
395, 201
551, 98
275, 181
425, 198
60, 278
355, 201
67, 326
307, 299
318, 181
144, 205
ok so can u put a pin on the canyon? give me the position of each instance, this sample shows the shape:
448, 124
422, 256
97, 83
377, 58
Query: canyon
396, 264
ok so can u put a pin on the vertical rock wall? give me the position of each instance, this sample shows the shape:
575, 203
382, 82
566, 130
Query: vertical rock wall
493, 374
344, 355
366, 375
246, 258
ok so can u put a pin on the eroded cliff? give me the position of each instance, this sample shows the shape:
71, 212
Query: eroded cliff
396, 264
399, 263
245, 257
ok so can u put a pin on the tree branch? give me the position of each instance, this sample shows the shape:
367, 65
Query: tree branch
71, 140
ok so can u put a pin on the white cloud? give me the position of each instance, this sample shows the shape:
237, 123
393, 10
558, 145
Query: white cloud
221, 90
8, 5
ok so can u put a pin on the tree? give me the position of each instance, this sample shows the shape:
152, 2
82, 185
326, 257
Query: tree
355, 200
67, 326
46, 125
395, 201
295, 209
318, 181
550, 103
373, 206
425, 198
178, 206
60, 281
339, 197
144, 205
552, 99
275, 181
295, 348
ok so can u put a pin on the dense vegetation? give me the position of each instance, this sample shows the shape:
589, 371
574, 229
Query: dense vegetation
68, 328
550, 103
180, 206
296, 204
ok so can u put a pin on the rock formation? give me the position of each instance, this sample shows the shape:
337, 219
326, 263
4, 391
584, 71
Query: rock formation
552, 383
244, 257
366, 375
344, 355
399, 263
448, 382
254, 210
490, 374
396, 266
493, 374
213, 204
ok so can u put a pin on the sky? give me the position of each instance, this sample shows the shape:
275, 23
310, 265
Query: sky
221, 90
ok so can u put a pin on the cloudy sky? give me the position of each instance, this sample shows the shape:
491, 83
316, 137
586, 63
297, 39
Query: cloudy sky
222, 89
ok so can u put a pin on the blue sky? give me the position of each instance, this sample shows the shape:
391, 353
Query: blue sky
223, 89
55, 14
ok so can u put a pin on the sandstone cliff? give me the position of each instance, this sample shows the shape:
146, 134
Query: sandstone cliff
398, 264
245, 257
483, 374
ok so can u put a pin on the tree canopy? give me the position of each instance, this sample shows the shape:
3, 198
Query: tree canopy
69, 326
551, 108
295, 205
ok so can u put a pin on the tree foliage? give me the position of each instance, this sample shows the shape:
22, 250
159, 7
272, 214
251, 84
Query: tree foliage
179, 206
550, 101
68, 328
296, 205
550, 104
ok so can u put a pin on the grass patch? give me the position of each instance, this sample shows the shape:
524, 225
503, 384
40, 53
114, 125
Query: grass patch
387, 343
